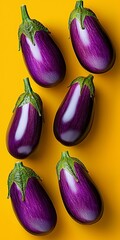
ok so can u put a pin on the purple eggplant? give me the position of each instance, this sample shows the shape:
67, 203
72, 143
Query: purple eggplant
30, 201
25, 127
90, 42
42, 56
74, 117
79, 194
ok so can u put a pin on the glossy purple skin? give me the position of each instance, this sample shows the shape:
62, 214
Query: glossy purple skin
92, 45
24, 131
81, 198
36, 213
44, 60
74, 117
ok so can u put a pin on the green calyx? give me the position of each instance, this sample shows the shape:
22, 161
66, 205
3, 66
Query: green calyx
80, 13
66, 162
29, 26
20, 176
29, 97
85, 81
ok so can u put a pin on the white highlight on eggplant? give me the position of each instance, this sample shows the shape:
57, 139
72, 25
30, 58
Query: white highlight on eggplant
50, 77
70, 111
24, 149
99, 63
39, 224
22, 122
87, 214
35, 50
70, 135
83, 34
71, 181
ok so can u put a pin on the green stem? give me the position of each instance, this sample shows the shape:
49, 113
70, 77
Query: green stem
27, 85
20, 176
65, 154
89, 77
88, 81
24, 13
66, 162
79, 4
18, 165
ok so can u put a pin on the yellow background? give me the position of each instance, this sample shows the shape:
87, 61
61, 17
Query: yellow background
100, 151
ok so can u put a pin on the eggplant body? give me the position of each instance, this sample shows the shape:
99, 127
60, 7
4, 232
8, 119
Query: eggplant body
42, 56
32, 205
25, 127
43, 60
24, 131
74, 117
91, 44
80, 195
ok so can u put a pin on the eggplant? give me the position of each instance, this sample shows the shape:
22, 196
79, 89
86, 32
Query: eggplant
74, 117
90, 41
31, 204
79, 194
25, 127
42, 56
